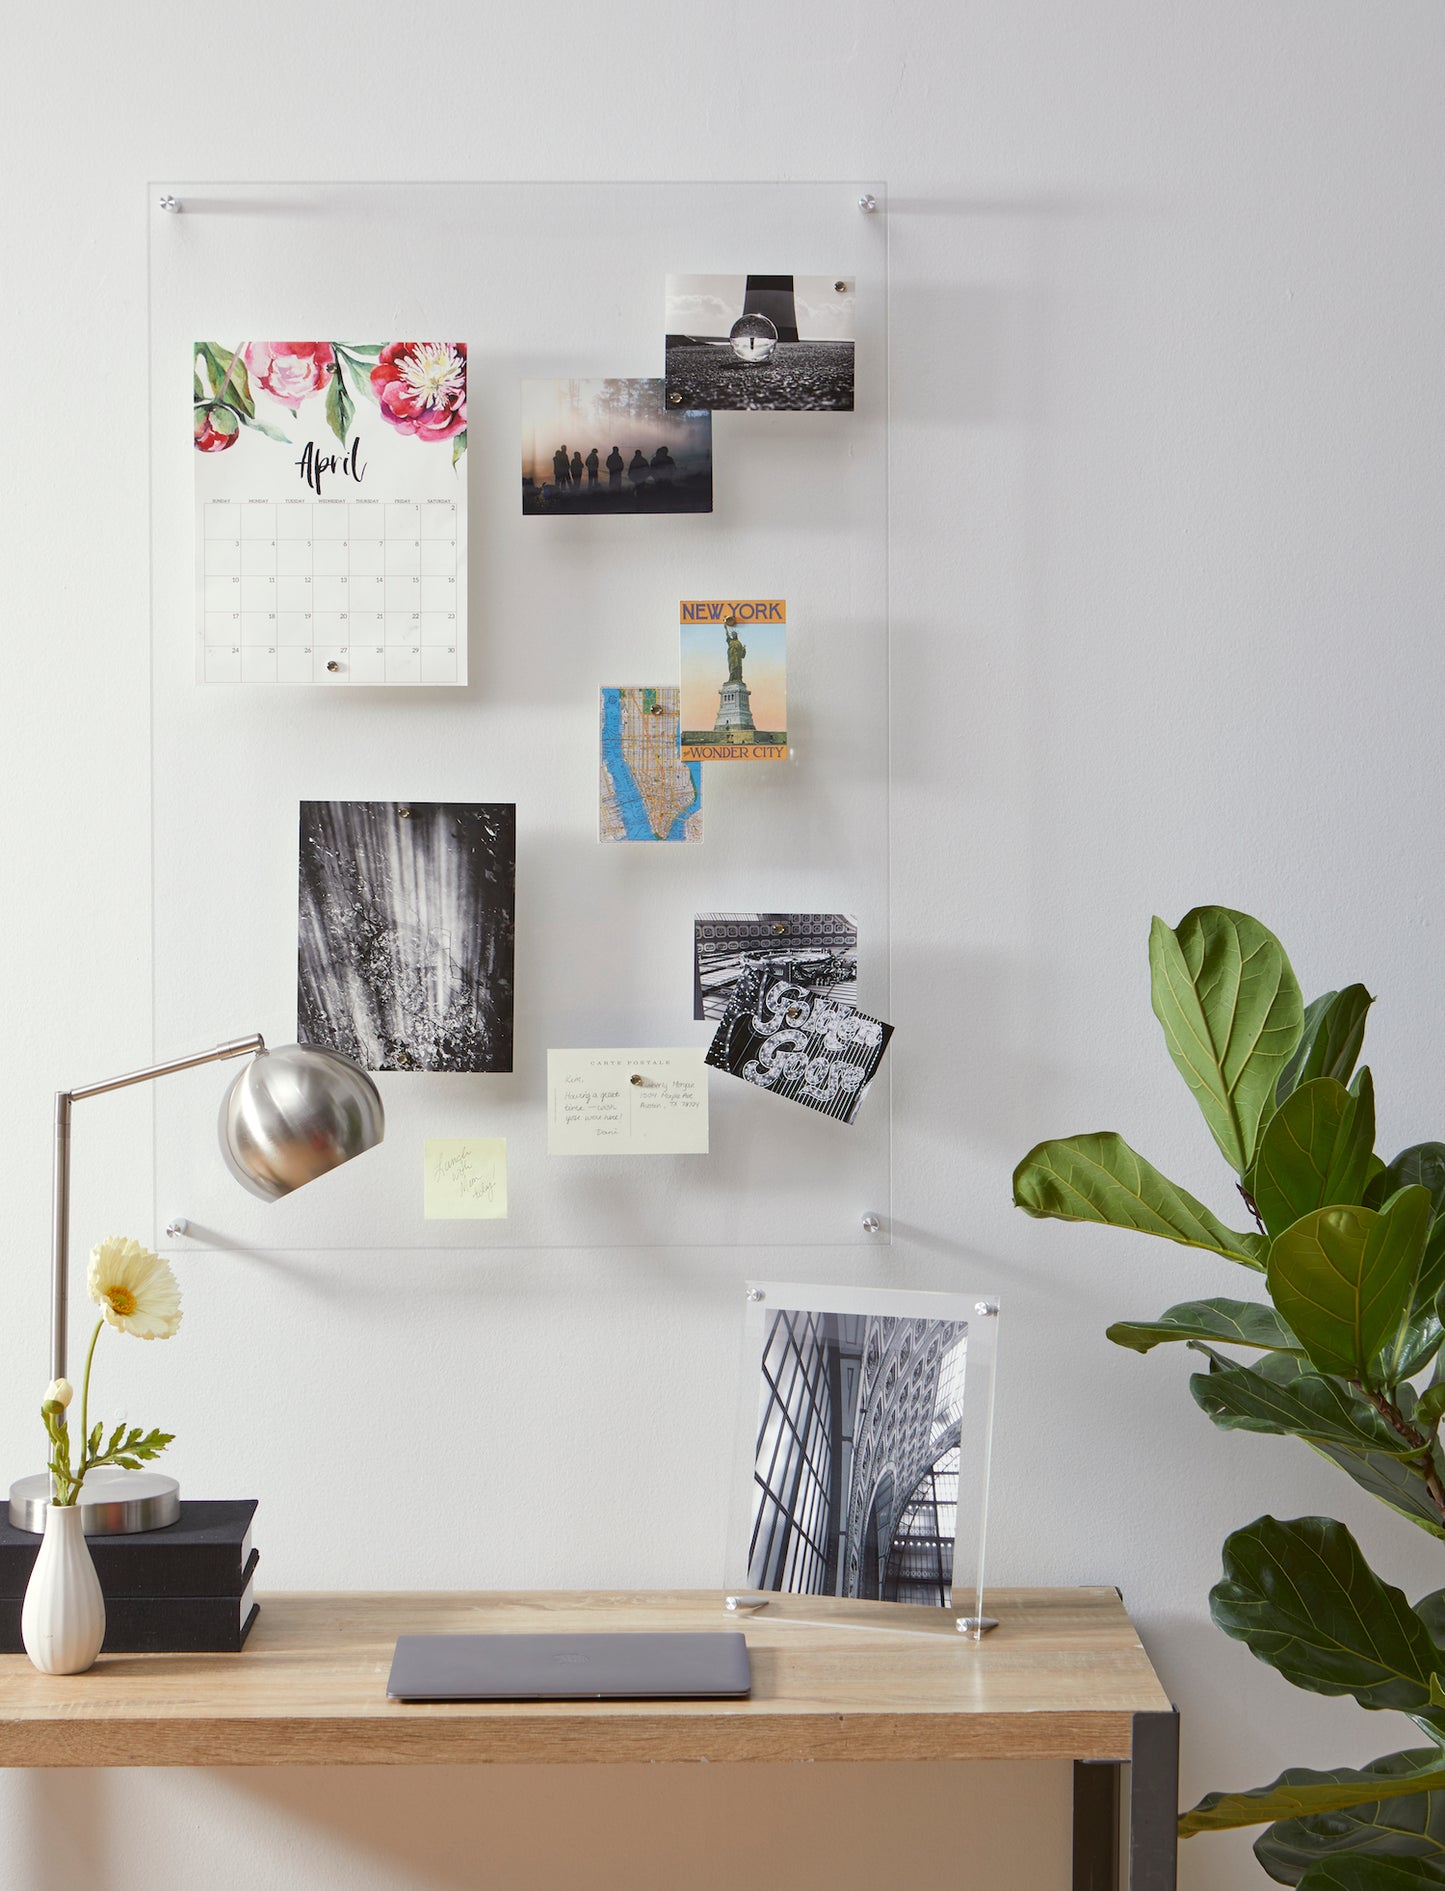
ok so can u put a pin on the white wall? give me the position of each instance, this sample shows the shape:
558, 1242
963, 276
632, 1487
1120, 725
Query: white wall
1166, 607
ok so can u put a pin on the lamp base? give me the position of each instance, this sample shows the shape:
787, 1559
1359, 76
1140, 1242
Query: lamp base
112, 1502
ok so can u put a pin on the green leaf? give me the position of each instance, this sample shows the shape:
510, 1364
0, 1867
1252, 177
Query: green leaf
1290, 1401
1366, 1873
360, 373
1432, 1404
1408, 1828
1314, 1153
1230, 1007
92, 1443
261, 426
1333, 1031
1420, 1333
1232, 1322
339, 407
1341, 1277
1300, 1792
1100, 1178
1422, 1162
1301, 1597
234, 380
459, 446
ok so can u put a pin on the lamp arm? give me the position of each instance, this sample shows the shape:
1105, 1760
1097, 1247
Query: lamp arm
60, 1191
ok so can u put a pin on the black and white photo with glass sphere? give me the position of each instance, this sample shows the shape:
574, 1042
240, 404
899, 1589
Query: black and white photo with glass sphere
855, 1469
778, 343
405, 932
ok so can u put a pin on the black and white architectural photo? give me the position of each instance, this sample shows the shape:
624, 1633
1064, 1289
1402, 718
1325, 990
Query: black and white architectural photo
612, 446
405, 932
780, 343
818, 951
812, 1049
856, 1455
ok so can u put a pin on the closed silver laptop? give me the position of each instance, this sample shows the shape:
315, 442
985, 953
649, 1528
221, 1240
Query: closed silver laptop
626, 1666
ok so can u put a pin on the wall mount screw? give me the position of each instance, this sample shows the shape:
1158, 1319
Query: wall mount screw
173, 204
868, 204
872, 1224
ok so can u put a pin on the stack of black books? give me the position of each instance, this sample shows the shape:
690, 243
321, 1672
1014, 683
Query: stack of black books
182, 1590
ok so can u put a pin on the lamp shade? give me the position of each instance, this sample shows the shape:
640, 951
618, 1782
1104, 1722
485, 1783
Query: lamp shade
294, 1113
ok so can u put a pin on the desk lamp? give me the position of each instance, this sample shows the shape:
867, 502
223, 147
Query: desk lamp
291, 1115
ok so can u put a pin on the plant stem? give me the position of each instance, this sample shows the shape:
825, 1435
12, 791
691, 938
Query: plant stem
85, 1410
1425, 1463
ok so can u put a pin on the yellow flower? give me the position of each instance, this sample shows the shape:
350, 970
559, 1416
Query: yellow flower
135, 1289
59, 1392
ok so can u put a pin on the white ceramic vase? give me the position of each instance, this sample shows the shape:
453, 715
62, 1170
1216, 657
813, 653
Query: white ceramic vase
63, 1621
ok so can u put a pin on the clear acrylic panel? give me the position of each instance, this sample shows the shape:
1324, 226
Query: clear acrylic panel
864, 1435
541, 280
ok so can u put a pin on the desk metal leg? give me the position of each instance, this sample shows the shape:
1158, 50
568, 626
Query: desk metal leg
1154, 1803
1153, 1811
1096, 1825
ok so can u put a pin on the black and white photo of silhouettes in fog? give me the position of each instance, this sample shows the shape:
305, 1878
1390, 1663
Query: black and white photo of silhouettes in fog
612, 446
780, 343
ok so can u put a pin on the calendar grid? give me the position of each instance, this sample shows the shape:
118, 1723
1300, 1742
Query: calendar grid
342, 592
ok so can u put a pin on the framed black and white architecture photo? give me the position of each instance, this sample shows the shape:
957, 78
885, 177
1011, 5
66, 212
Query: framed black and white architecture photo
864, 1426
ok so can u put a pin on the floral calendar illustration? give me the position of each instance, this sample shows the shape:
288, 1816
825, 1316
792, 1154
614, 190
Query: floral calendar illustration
331, 517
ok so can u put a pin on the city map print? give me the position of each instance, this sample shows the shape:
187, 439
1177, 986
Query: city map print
645, 790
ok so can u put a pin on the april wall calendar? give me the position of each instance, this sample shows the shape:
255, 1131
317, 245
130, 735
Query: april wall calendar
331, 514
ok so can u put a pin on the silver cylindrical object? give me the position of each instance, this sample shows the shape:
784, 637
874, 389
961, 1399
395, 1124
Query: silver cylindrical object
293, 1114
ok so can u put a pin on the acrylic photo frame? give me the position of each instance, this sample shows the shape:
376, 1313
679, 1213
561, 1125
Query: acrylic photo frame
864, 1418
541, 281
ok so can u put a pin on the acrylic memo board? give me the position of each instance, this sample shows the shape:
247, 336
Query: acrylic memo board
541, 280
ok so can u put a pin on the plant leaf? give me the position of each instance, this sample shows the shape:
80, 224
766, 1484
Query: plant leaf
1432, 1404
1332, 1033
1341, 1277
1365, 1872
1422, 1162
1301, 1791
262, 426
235, 380
1232, 1322
1292, 1401
1098, 1177
339, 406
1420, 1333
1230, 1007
459, 446
1314, 1153
1410, 1829
1301, 1597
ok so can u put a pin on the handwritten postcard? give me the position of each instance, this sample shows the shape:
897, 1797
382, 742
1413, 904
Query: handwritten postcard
626, 1103
466, 1178
331, 512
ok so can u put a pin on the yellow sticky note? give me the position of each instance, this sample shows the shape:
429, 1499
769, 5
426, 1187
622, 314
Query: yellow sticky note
466, 1178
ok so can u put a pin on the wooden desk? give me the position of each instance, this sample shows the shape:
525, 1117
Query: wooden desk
1062, 1677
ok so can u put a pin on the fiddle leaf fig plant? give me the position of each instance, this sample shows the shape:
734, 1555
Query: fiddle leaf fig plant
1350, 1252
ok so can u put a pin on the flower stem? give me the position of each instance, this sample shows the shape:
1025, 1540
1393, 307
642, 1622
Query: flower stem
85, 1411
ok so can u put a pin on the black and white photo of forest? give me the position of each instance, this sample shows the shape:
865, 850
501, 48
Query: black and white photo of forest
405, 933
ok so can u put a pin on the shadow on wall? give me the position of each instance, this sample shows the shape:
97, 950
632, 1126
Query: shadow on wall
537, 1828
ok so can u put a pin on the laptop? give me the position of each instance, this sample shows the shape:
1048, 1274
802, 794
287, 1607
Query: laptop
680, 1666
